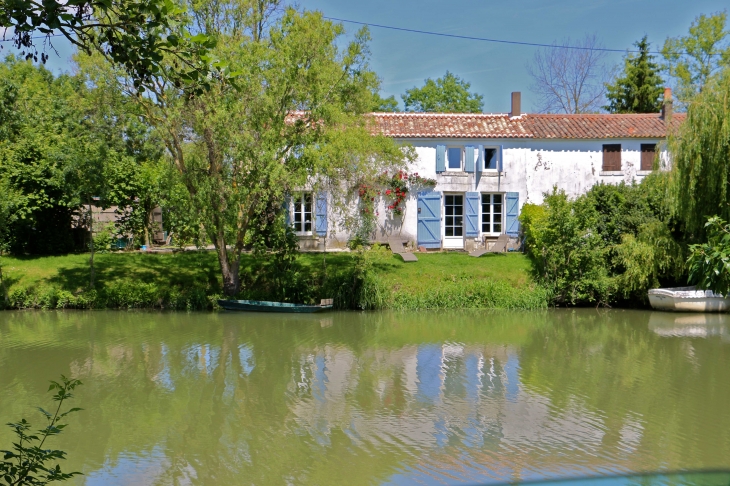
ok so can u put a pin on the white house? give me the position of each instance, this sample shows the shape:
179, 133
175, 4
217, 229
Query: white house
488, 165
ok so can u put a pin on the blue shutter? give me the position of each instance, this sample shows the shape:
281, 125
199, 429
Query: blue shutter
320, 214
513, 211
469, 158
473, 201
287, 207
500, 163
480, 158
440, 158
429, 219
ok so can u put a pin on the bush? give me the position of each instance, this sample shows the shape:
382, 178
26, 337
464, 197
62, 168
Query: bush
608, 246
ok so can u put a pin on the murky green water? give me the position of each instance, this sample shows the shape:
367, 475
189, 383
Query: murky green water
347, 398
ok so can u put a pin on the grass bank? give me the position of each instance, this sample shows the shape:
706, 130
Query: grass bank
190, 281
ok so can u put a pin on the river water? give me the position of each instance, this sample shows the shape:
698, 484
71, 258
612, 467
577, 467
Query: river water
374, 398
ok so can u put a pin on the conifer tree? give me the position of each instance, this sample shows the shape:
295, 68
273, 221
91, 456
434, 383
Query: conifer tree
639, 88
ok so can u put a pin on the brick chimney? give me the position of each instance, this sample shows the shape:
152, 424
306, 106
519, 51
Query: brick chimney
667, 105
516, 102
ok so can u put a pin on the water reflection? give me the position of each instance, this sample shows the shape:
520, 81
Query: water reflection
375, 398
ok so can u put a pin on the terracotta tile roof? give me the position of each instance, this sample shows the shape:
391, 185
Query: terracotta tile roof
462, 125
451, 125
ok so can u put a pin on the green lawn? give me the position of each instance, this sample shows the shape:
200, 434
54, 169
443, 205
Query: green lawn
192, 279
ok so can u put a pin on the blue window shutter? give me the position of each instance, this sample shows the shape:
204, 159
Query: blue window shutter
428, 230
469, 158
287, 209
473, 202
320, 214
480, 158
500, 164
440, 158
513, 211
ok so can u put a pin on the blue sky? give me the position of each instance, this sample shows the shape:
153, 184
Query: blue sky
404, 60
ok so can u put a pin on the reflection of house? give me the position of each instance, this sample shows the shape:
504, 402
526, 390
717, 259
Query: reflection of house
486, 166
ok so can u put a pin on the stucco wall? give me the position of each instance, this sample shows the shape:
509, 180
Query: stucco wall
530, 168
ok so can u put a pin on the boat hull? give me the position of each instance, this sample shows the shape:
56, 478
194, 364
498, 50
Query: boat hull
688, 299
267, 306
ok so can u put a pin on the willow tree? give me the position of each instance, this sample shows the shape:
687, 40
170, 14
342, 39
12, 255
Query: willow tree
288, 116
700, 153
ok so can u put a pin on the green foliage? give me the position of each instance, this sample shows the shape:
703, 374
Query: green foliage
568, 251
639, 88
709, 263
380, 104
614, 243
693, 60
449, 94
137, 35
700, 152
28, 463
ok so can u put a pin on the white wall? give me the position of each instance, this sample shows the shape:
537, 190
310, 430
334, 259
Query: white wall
530, 167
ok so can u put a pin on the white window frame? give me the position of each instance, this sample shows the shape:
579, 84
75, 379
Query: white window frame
454, 242
491, 214
461, 159
298, 206
484, 158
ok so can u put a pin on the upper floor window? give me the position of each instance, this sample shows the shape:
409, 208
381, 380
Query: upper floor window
490, 159
453, 158
302, 214
648, 151
612, 157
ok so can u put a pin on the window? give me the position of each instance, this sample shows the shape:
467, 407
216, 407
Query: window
612, 157
490, 159
302, 220
648, 150
454, 221
453, 156
492, 213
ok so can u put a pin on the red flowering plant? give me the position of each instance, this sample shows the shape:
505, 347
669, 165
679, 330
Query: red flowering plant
399, 185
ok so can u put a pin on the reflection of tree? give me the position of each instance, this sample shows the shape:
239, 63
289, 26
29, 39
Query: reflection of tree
225, 398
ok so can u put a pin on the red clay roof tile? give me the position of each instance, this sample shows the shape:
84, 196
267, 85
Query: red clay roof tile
468, 125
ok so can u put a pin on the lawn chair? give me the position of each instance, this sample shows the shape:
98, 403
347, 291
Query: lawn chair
500, 246
396, 246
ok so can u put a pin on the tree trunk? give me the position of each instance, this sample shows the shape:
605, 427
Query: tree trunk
229, 271
91, 247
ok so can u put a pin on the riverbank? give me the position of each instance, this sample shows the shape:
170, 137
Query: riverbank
190, 281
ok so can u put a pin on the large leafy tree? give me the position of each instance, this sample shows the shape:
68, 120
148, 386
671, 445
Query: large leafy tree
639, 88
700, 152
449, 94
35, 155
692, 60
137, 35
292, 120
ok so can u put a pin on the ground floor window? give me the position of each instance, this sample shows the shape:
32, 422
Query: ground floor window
492, 213
302, 214
454, 215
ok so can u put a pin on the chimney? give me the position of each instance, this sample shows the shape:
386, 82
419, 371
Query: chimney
667, 105
516, 102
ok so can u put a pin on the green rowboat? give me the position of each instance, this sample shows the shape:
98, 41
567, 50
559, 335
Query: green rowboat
266, 306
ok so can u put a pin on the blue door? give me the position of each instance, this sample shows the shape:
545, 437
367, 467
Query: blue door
429, 219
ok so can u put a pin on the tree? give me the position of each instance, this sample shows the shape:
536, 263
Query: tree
134, 34
380, 104
294, 119
449, 94
639, 88
570, 77
700, 154
692, 60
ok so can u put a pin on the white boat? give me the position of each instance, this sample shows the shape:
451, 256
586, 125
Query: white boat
688, 299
